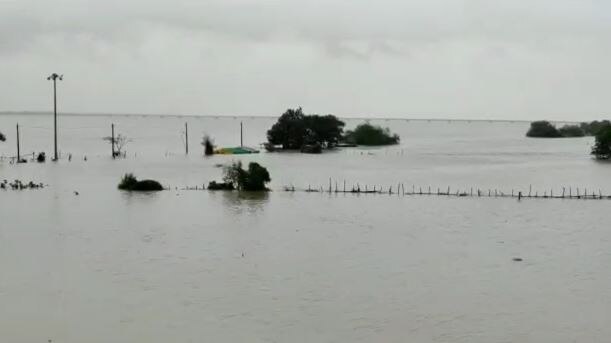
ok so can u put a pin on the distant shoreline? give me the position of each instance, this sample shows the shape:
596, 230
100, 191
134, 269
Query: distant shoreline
267, 117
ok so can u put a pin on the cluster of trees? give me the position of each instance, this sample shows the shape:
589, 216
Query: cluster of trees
295, 130
593, 128
252, 179
601, 130
545, 129
367, 134
602, 146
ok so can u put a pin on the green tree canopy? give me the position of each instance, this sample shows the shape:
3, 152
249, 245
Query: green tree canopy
602, 145
367, 134
294, 129
592, 128
571, 131
543, 129
253, 179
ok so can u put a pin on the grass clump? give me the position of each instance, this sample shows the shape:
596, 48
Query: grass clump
130, 183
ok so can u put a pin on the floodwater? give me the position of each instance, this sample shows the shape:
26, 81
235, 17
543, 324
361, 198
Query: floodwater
198, 266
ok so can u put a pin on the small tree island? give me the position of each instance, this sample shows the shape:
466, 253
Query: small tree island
371, 135
252, 180
295, 130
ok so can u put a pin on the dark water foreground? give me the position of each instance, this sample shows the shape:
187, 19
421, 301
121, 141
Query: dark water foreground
191, 266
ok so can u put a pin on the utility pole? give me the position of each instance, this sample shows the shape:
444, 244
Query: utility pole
54, 78
112, 139
241, 135
18, 151
186, 139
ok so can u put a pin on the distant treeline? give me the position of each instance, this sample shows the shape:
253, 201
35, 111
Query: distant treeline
312, 133
545, 129
601, 130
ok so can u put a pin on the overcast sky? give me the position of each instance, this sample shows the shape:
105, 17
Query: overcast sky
516, 59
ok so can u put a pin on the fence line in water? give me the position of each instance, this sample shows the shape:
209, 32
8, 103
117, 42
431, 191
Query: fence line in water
400, 190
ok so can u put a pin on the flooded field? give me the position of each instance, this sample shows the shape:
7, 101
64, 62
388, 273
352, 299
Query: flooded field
193, 266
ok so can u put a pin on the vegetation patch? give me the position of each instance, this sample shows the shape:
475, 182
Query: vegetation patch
371, 135
220, 186
545, 129
252, 179
208, 145
594, 127
294, 130
2, 137
602, 146
20, 185
130, 183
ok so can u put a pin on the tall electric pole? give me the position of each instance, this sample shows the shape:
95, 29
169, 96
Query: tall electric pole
55, 77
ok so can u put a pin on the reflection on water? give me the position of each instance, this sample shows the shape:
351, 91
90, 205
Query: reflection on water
244, 202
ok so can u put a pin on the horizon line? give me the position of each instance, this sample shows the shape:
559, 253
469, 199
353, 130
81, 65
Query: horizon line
255, 116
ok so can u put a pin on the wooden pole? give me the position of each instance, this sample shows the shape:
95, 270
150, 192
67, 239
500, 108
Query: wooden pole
112, 139
241, 135
186, 138
55, 116
18, 151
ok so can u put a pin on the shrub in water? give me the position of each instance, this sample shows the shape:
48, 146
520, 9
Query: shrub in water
253, 179
543, 129
602, 146
367, 134
130, 183
2, 137
220, 186
571, 131
208, 144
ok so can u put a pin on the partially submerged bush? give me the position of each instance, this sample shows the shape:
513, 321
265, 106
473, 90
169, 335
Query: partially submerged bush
253, 179
220, 186
543, 129
602, 145
208, 144
571, 131
2, 137
367, 134
592, 128
130, 183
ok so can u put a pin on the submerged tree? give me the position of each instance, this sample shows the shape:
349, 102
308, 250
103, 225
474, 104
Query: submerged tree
253, 179
592, 128
2, 137
208, 144
543, 129
571, 131
130, 183
294, 129
367, 134
120, 141
602, 145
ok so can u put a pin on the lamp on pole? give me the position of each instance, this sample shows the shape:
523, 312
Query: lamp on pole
54, 77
